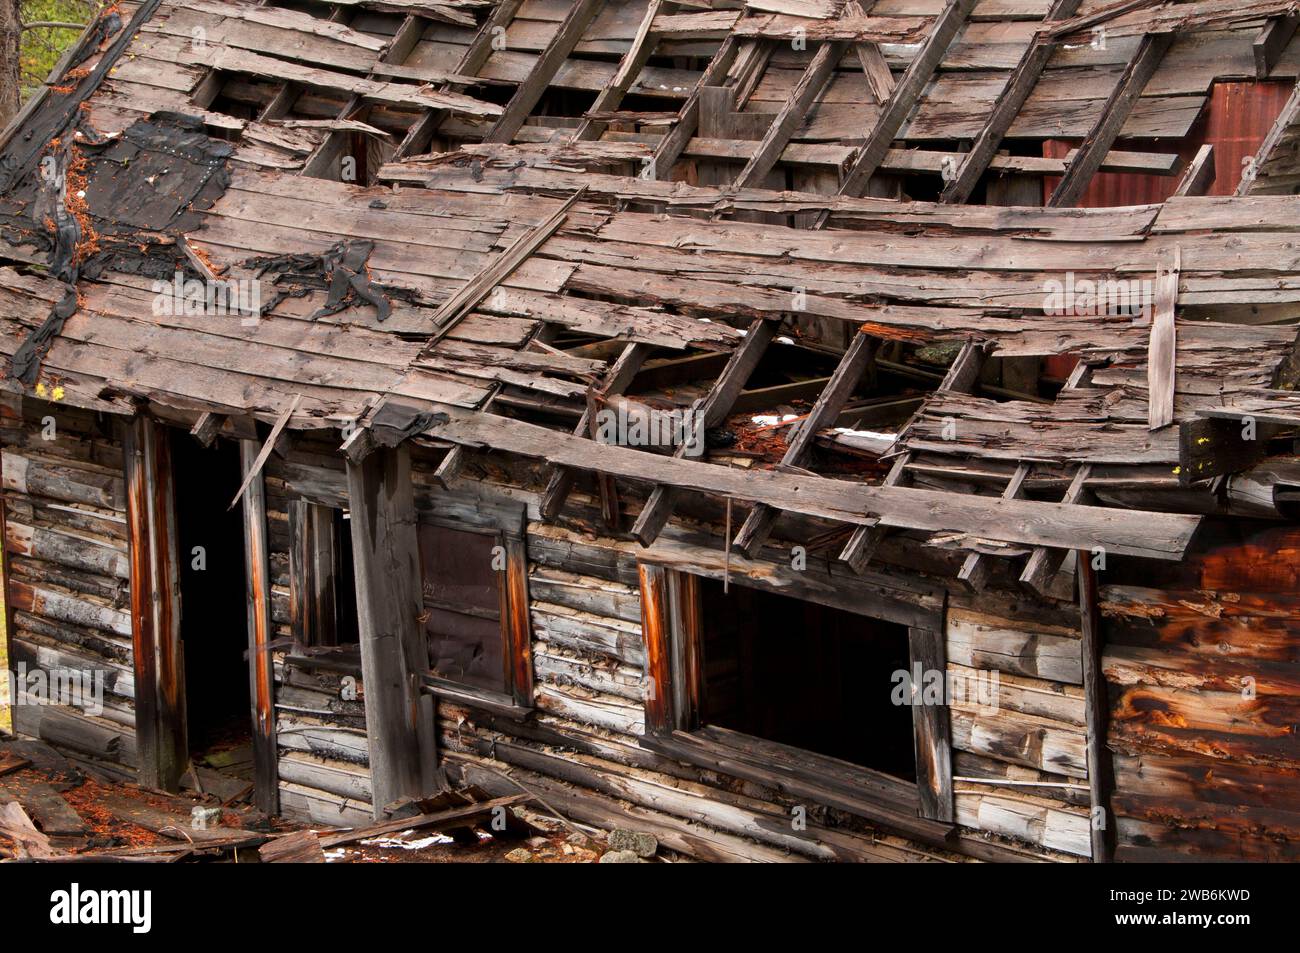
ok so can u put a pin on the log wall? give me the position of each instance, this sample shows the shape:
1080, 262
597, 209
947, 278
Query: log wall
66, 556
1025, 796
1202, 662
320, 716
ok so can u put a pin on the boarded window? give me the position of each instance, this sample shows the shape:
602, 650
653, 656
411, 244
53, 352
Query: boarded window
463, 601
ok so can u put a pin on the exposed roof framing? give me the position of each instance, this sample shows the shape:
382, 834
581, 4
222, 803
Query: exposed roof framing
903, 98
532, 88
1005, 109
1114, 114
710, 412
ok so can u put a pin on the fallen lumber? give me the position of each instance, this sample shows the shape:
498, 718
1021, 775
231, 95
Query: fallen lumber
25, 841
456, 817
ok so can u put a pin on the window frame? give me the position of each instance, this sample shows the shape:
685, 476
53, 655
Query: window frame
672, 626
506, 523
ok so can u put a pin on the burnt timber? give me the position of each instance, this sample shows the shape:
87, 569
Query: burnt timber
936, 382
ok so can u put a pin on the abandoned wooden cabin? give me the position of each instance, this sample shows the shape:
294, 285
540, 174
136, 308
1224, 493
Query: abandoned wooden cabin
800, 429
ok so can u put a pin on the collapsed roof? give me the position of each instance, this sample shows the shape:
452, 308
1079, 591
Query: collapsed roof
476, 221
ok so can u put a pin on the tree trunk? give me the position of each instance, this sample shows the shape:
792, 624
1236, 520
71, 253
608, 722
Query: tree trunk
11, 32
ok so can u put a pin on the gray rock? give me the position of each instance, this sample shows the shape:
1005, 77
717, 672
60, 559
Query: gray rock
620, 857
639, 843
205, 818
521, 855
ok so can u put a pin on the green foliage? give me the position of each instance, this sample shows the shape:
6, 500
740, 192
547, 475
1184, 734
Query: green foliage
43, 46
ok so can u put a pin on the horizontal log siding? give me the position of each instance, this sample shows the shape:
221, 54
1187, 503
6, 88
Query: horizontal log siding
66, 553
1203, 665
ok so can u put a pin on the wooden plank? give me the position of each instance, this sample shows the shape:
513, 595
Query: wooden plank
1040, 567
400, 728
438, 820
960, 378
259, 461
1161, 349
1272, 41
1123, 532
1113, 115
155, 606
620, 375
932, 734
1096, 713
266, 778
557, 51
419, 136
688, 118
793, 112
853, 364
903, 99
974, 570
708, 412
1199, 174
629, 68
1007, 107
496, 271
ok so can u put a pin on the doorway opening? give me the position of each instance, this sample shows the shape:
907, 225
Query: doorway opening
805, 675
214, 619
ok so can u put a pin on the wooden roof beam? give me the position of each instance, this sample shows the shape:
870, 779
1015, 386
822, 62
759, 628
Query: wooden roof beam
476, 55
404, 42
1114, 114
671, 145
561, 479
548, 64
708, 412
961, 378
1140, 533
629, 68
795, 110
1007, 107
1041, 568
857, 358
974, 571
903, 99
1199, 174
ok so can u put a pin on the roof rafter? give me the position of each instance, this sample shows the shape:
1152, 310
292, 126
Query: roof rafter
903, 99
1114, 114
1008, 105
548, 64
709, 412
857, 358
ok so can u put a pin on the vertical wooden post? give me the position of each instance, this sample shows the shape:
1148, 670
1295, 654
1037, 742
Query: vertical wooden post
6, 626
266, 778
519, 629
655, 630
1095, 710
155, 606
932, 732
312, 595
399, 717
